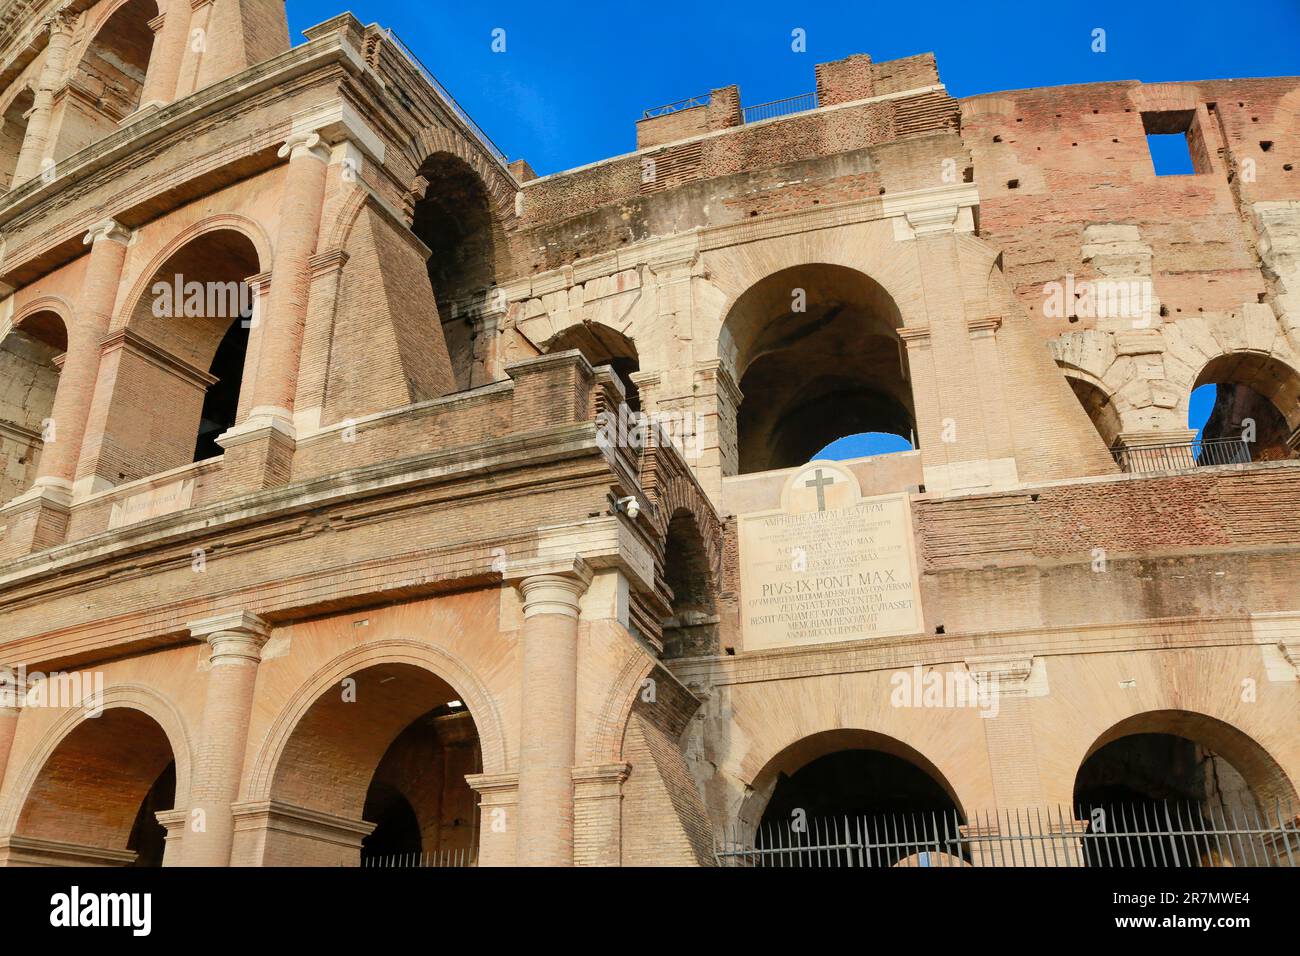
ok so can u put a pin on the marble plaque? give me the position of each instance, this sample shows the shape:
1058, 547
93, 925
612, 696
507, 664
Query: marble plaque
162, 500
828, 565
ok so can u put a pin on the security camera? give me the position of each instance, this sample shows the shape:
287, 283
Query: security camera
630, 506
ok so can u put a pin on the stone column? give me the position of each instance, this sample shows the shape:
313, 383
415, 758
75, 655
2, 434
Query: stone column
36, 141
236, 639
549, 646
285, 312
58, 465
171, 33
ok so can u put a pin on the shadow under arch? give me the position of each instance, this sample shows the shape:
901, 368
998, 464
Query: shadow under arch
91, 771
807, 750
1096, 401
1258, 386
602, 345
816, 352
1267, 780
439, 664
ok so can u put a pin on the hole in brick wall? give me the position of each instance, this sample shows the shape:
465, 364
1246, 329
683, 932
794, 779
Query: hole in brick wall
1265, 144
938, 629
1169, 141
882, 190
968, 174
1260, 298
1254, 119
1288, 167
1114, 141
1013, 184
1074, 318
997, 139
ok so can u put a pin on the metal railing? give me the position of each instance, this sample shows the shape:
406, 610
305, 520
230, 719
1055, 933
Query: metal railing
448, 100
1121, 836
462, 858
1172, 457
689, 103
791, 104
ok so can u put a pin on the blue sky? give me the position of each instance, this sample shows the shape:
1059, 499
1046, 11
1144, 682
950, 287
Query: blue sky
574, 77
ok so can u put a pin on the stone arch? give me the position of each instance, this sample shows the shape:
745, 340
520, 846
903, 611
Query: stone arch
436, 661
794, 755
600, 345
611, 726
437, 139
249, 228
32, 347
1259, 385
187, 334
873, 255
816, 352
346, 220
129, 711
110, 66
1097, 401
13, 128
1267, 780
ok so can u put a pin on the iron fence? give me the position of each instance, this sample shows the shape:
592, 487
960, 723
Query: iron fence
462, 858
1116, 836
791, 104
689, 103
1172, 457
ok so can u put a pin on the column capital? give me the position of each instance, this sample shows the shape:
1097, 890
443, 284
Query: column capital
109, 229
60, 23
555, 592
234, 636
299, 145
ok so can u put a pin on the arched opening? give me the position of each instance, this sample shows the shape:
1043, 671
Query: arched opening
391, 745
110, 77
818, 357
29, 377
691, 628
13, 129
1172, 785
182, 363
454, 219
601, 345
874, 788
1101, 410
100, 789
1251, 387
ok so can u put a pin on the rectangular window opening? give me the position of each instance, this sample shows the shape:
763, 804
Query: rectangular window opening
1172, 142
